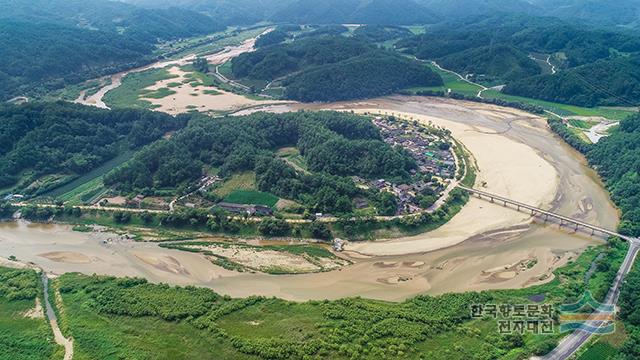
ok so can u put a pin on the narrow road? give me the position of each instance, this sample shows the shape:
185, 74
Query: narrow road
53, 320
572, 343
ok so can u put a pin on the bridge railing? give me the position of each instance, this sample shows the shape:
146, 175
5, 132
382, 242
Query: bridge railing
535, 211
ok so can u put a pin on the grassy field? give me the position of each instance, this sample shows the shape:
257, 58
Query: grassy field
157, 94
127, 318
451, 81
128, 94
23, 338
293, 157
242, 181
564, 109
252, 197
77, 189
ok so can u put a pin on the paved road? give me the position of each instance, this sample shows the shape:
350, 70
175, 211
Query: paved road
572, 343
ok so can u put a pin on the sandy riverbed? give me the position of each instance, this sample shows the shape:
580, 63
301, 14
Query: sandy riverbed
484, 247
201, 98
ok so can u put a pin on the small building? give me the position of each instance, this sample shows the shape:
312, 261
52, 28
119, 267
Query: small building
338, 244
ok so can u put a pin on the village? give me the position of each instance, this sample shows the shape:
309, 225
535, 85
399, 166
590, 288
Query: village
434, 157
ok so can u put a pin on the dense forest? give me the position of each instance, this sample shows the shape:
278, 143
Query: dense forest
604, 83
333, 68
492, 62
334, 145
55, 54
593, 67
617, 159
45, 45
66, 140
381, 33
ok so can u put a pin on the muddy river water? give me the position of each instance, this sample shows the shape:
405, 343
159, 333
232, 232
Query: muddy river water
484, 247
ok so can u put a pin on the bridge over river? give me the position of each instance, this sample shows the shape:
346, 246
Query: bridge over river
547, 215
573, 342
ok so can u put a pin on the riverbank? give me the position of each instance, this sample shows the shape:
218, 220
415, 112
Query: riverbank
472, 264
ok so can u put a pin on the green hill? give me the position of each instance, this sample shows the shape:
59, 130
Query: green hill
333, 68
492, 63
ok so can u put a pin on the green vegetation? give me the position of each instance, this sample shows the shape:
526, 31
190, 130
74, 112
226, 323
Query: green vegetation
334, 146
333, 68
595, 67
23, 337
45, 145
251, 197
314, 253
110, 316
158, 94
621, 175
129, 94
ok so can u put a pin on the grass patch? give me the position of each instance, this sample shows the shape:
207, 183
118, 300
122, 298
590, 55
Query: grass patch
599, 351
128, 94
252, 197
23, 338
241, 181
211, 92
159, 94
582, 124
564, 109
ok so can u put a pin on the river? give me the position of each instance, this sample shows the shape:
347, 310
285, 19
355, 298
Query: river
484, 247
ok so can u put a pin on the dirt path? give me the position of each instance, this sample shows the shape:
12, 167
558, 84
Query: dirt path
67, 343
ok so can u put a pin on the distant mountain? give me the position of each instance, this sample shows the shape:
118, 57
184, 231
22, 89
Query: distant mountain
450, 9
109, 16
383, 12
600, 12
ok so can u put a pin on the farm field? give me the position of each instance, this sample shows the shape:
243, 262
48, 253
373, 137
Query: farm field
251, 197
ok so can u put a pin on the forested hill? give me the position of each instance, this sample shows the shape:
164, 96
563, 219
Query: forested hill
45, 144
32, 53
334, 146
147, 25
593, 67
604, 83
46, 44
617, 159
492, 62
333, 68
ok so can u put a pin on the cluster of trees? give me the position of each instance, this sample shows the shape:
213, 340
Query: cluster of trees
70, 139
594, 67
334, 145
333, 68
617, 159
381, 33
493, 62
629, 303
559, 127
53, 55
606, 82
18, 284
274, 37
346, 328
47, 44
373, 74
277, 61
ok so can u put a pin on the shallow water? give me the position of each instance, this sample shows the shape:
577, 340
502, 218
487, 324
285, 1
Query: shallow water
471, 265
